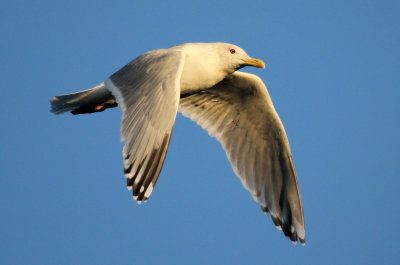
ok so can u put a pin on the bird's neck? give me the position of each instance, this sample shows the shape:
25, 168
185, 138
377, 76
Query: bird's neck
200, 70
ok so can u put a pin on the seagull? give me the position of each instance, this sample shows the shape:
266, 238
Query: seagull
202, 81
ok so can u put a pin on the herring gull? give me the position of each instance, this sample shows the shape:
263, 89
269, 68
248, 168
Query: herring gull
201, 81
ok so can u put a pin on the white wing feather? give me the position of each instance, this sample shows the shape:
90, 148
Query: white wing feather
239, 112
147, 90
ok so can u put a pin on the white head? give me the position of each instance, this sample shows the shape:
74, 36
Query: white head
229, 56
233, 57
208, 63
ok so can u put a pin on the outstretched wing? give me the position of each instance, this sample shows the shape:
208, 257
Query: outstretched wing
147, 90
239, 112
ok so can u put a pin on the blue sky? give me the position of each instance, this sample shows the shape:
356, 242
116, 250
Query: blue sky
333, 72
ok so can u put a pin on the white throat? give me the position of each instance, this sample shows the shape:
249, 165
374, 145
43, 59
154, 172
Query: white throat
202, 68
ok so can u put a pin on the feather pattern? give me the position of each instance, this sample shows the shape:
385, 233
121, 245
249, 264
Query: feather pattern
239, 112
147, 90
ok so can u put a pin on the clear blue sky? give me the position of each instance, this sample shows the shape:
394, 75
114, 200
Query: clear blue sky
333, 71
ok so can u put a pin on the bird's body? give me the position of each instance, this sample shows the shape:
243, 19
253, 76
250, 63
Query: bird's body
200, 80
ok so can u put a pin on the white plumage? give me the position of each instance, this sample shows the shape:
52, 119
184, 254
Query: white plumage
200, 80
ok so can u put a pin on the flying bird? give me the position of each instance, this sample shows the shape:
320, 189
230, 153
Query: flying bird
201, 81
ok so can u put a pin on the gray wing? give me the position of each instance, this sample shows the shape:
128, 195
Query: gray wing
239, 112
147, 90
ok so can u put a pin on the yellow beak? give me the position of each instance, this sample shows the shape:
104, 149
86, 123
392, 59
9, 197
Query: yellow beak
254, 62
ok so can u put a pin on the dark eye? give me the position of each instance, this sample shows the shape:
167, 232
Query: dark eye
232, 51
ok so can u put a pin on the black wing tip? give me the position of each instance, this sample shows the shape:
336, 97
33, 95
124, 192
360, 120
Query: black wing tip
152, 165
288, 230
292, 235
140, 200
295, 240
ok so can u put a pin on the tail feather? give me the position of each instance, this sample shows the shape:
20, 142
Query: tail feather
88, 101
